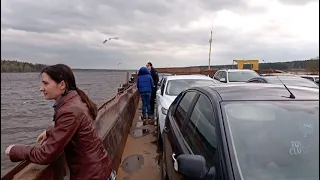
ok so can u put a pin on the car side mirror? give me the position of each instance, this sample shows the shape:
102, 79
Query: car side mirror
194, 167
223, 80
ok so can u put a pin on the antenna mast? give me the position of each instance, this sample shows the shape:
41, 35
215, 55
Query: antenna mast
210, 41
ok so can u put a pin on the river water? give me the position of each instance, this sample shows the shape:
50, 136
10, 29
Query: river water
25, 113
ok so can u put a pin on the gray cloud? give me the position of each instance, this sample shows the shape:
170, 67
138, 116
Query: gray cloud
161, 31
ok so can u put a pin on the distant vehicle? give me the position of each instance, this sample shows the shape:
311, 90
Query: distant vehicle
287, 80
170, 87
250, 131
313, 78
234, 75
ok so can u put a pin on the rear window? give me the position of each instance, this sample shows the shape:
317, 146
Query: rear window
310, 78
241, 76
175, 87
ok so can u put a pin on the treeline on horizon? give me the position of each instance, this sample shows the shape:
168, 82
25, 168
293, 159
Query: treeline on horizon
310, 65
17, 66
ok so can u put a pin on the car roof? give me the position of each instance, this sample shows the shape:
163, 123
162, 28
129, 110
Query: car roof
279, 74
165, 74
309, 75
282, 77
195, 76
262, 91
235, 70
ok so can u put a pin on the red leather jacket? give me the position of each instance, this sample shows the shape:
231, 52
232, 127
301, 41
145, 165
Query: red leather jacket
74, 134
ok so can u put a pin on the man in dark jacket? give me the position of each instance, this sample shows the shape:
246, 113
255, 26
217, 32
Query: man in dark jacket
155, 78
145, 85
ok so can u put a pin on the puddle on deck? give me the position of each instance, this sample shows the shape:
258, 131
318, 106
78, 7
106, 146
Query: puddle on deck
140, 124
132, 163
138, 133
144, 123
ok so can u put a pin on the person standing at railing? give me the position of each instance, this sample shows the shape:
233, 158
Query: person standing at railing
72, 131
155, 77
145, 85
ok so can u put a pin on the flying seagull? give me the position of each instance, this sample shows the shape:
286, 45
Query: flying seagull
116, 38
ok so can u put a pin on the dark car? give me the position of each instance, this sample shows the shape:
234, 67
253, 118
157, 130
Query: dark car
287, 80
243, 131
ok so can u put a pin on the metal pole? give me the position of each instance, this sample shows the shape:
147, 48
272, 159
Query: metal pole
210, 49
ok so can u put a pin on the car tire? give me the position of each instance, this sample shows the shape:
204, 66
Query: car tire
159, 138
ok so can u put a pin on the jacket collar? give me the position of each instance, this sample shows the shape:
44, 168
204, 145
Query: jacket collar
63, 99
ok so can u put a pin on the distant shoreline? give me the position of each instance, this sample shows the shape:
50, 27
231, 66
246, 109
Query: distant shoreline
9, 66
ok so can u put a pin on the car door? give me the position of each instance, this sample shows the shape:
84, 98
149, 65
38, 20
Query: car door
201, 133
172, 138
159, 95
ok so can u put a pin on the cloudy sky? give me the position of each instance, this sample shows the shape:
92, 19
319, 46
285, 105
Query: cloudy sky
165, 32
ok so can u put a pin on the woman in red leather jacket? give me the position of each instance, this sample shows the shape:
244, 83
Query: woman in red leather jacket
73, 131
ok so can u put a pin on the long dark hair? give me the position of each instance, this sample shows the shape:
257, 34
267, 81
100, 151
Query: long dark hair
62, 72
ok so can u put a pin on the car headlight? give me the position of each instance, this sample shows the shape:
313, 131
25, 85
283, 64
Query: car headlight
164, 110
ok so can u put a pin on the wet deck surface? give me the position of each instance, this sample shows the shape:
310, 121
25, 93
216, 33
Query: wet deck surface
140, 157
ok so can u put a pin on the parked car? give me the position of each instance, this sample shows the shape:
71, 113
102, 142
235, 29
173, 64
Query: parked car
313, 78
234, 75
287, 80
171, 86
161, 77
247, 132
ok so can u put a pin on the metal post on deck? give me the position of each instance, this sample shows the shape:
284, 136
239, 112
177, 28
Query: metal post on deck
210, 49
127, 77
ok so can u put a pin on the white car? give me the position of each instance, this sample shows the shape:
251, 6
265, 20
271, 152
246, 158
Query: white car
170, 88
313, 78
234, 75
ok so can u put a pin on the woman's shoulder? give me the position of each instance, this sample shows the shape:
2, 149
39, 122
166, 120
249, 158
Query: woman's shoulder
75, 107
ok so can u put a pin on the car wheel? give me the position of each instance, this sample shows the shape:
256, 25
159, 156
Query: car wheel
163, 170
159, 138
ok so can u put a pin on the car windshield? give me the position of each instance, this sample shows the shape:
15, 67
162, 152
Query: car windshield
275, 140
292, 81
241, 76
174, 87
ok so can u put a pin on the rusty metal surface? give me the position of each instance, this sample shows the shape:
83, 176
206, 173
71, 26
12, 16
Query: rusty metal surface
113, 124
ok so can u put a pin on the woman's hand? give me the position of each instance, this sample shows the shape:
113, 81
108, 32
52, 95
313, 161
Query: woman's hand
7, 151
42, 137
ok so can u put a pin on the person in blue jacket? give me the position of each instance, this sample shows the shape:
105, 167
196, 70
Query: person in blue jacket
145, 85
